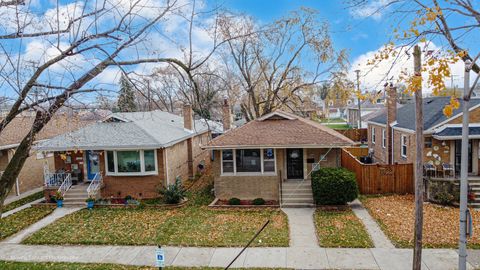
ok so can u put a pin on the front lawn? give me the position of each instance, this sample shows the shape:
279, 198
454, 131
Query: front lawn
4, 265
187, 226
338, 126
396, 217
341, 229
22, 219
18, 203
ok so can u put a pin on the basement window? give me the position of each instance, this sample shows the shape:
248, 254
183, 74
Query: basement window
131, 162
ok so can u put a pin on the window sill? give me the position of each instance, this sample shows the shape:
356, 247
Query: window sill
249, 174
133, 174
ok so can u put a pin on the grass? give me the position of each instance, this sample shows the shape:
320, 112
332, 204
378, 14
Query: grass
395, 215
22, 219
8, 265
18, 203
331, 120
341, 229
187, 226
338, 126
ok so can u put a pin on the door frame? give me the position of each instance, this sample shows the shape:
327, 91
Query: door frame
302, 152
90, 176
457, 152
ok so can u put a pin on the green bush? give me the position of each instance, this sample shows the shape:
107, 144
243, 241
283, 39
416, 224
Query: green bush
258, 201
234, 201
443, 192
173, 193
334, 186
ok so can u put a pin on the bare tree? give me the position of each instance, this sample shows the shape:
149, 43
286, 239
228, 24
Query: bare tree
274, 65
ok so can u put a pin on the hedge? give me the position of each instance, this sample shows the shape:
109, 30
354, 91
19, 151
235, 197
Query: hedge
334, 186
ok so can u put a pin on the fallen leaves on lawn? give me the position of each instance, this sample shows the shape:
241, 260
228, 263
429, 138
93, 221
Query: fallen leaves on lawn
396, 215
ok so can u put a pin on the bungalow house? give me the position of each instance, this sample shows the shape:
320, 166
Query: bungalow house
31, 175
128, 154
272, 157
391, 136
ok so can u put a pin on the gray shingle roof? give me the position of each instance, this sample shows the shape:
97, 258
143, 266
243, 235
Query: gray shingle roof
432, 113
457, 132
155, 129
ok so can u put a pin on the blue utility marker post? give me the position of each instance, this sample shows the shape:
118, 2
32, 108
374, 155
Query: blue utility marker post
160, 257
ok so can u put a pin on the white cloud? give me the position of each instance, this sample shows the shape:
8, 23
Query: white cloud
373, 9
374, 77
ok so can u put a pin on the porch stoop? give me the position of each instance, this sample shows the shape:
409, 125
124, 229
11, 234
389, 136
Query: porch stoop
76, 195
474, 184
297, 194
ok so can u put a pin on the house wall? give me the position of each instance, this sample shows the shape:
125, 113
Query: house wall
411, 147
380, 153
177, 164
439, 152
245, 187
474, 117
332, 159
135, 186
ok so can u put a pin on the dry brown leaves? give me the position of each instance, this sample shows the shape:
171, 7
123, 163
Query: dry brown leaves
441, 224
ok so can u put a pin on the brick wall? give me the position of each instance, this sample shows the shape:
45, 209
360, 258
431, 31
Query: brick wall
380, 153
135, 186
411, 147
440, 151
474, 117
333, 158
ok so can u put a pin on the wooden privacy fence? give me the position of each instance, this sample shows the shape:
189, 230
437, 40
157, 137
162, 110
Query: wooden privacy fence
378, 178
354, 134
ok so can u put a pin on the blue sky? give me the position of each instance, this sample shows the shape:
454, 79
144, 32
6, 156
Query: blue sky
358, 35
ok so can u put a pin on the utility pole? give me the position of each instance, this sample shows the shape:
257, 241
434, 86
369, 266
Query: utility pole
417, 249
462, 241
359, 105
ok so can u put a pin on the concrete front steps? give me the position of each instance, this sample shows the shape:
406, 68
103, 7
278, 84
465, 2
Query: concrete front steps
76, 195
297, 194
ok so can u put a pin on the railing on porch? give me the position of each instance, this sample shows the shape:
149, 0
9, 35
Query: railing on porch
65, 186
55, 179
95, 185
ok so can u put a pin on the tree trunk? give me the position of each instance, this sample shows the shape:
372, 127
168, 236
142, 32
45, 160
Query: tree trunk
417, 249
462, 241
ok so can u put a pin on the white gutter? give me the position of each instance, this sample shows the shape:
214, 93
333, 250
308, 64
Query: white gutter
273, 146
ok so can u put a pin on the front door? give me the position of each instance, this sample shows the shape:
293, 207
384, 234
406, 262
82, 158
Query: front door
93, 164
294, 163
458, 155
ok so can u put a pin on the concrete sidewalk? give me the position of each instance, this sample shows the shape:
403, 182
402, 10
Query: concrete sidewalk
20, 208
301, 227
300, 258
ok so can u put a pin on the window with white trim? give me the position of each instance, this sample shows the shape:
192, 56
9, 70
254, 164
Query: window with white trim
248, 161
131, 162
384, 138
403, 141
227, 161
373, 135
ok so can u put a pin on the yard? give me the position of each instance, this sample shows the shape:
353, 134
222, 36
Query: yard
187, 226
18, 203
22, 219
395, 214
341, 229
85, 266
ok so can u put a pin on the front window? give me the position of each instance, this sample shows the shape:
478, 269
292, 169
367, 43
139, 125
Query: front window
227, 161
131, 162
248, 160
404, 145
256, 161
428, 142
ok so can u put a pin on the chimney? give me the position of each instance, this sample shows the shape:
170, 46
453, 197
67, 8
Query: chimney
187, 116
227, 117
391, 104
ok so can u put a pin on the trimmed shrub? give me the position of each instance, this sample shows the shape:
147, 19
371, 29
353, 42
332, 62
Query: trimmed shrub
334, 186
258, 201
234, 201
443, 192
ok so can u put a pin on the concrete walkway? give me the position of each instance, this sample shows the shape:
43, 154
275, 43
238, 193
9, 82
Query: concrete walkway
380, 240
302, 227
14, 198
300, 258
57, 213
13, 211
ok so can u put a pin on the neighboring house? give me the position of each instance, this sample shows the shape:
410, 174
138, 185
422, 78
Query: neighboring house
132, 154
391, 136
31, 175
336, 108
254, 160
367, 108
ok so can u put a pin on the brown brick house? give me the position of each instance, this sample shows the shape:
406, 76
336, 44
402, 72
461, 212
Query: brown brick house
31, 175
391, 136
132, 153
278, 149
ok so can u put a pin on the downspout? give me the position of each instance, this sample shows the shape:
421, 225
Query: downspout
392, 142
166, 165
